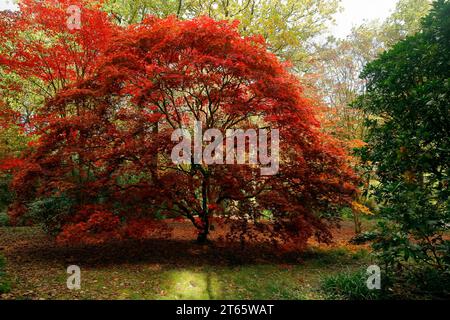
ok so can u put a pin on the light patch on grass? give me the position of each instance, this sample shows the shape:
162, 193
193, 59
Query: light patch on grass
192, 285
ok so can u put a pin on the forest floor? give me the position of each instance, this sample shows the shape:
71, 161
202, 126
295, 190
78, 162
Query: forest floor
175, 268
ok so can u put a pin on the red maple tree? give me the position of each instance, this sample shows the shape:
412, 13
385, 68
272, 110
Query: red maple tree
37, 44
105, 137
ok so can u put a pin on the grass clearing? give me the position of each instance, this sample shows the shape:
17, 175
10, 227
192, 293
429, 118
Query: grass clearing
170, 270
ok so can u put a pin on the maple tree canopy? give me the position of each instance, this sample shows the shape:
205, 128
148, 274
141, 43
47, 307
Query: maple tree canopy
104, 138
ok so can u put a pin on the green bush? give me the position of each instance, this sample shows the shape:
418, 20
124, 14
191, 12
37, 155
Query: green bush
348, 286
4, 219
364, 237
6, 195
419, 283
48, 212
432, 282
408, 147
5, 285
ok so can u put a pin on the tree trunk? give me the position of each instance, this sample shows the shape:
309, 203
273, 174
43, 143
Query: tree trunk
202, 237
357, 222
204, 231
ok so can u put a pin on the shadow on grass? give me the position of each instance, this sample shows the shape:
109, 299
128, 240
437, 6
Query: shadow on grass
168, 268
173, 252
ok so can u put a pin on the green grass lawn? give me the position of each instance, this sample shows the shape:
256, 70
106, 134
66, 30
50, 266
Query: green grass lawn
298, 282
38, 271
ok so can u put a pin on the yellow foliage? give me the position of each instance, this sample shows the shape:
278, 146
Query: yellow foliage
360, 208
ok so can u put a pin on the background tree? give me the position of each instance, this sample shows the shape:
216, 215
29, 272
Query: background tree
289, 27
39, 56
339, 62
405, 20
337, 66
12, 142
407, 101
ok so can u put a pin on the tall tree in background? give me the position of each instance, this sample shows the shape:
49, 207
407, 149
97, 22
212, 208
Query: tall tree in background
39, 56
405, 20
338, 64
288, 26
407, 100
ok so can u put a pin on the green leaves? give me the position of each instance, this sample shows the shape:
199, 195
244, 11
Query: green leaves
287, 26
5, 284
409, 145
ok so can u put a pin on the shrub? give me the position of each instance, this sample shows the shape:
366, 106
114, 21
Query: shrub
419, 283
348, 286
6, 195
5, 285
407, 103
49, 212
4, 219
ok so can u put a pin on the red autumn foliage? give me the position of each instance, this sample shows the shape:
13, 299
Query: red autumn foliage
104, 137
95, 224
41, 47
7, 116
99, 226
11, 163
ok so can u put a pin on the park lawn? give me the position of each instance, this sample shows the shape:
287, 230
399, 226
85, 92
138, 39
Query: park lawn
170, 269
